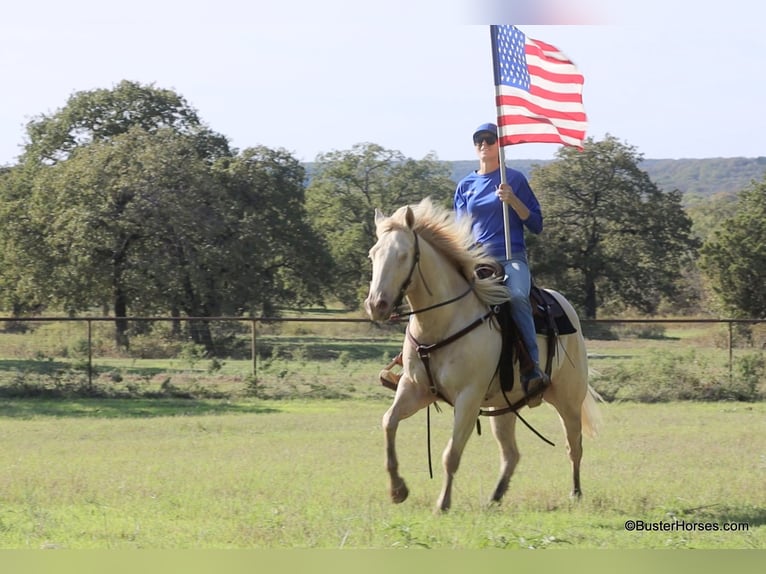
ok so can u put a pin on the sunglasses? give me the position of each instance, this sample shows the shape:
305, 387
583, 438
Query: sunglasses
490, 139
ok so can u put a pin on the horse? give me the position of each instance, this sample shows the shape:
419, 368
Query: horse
427, 257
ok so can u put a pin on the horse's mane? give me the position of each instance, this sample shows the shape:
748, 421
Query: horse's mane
454, 239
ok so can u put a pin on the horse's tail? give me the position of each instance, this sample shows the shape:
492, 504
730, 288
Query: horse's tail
591, 415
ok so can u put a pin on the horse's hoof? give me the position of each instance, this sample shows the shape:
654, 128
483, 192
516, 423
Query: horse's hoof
399, 493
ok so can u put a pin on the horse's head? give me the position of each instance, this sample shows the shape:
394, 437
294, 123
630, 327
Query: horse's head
393, 257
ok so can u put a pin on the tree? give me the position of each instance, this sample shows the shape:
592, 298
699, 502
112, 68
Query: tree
707, 213
734, 257
94, 118
100, 115
103, 218
146, 224
611, 235
280, 257
154, 214
342, 197
14, 241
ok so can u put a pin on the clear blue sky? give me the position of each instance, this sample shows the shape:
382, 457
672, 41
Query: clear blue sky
675, 78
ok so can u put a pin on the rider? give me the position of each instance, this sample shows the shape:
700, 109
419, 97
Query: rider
481, 195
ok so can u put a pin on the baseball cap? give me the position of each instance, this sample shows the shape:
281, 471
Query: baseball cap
491, 128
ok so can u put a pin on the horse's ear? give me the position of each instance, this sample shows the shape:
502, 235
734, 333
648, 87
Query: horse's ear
379, 216
409, 217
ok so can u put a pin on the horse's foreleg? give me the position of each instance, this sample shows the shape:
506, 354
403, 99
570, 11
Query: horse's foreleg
466, 411
409, 399
504, 430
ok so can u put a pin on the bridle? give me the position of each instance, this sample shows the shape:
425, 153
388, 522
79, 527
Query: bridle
408, 281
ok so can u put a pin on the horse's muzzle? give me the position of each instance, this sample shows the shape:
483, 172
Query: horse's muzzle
377, 309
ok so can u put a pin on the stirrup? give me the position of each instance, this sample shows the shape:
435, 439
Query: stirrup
387, 377
534, 396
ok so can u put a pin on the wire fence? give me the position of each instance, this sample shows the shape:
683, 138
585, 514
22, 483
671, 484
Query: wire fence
150, 346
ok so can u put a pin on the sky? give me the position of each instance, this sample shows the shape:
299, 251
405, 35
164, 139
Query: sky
673, 78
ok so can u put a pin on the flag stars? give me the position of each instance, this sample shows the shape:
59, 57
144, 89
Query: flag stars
512, 63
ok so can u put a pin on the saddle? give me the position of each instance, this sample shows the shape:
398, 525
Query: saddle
550, 321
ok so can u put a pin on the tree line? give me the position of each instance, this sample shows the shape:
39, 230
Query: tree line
697, 179
124, 199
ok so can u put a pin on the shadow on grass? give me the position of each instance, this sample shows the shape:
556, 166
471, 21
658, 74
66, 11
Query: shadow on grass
50, 367
37, 366
322, 349
751, 515
126, 408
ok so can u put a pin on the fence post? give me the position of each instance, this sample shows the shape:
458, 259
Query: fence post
90, 354
731, 345
253, 351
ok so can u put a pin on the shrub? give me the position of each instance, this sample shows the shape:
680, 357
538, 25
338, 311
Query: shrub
643, 331
749, 377
663, 376
153, 347
192, 353
599, 331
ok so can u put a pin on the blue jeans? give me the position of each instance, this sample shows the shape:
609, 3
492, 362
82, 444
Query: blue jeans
518, 280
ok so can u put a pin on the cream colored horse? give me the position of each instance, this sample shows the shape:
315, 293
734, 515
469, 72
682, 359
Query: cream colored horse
426, 257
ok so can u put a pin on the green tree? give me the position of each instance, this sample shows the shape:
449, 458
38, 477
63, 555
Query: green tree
154, 216
100, 115
13, 241
342, 197
104, 218
611, 237
734, 256
708, 212
280, 258
92, 118
145, 224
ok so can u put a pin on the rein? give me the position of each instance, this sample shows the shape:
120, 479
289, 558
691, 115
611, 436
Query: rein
396, 316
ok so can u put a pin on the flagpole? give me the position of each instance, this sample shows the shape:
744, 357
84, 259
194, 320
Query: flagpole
501, 151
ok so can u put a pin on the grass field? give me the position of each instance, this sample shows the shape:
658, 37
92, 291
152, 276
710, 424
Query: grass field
175, 450
179, 474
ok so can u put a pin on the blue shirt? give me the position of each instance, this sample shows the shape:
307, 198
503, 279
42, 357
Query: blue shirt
475, 196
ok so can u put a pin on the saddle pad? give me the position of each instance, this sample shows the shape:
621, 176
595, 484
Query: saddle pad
543, 304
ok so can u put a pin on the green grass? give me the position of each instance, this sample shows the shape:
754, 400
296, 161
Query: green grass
175, 474
187, 452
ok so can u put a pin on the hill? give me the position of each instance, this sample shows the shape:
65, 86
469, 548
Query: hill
703, 177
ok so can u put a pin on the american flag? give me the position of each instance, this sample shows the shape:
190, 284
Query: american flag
538, 91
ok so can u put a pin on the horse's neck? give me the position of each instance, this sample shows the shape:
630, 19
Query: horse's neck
438, 281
